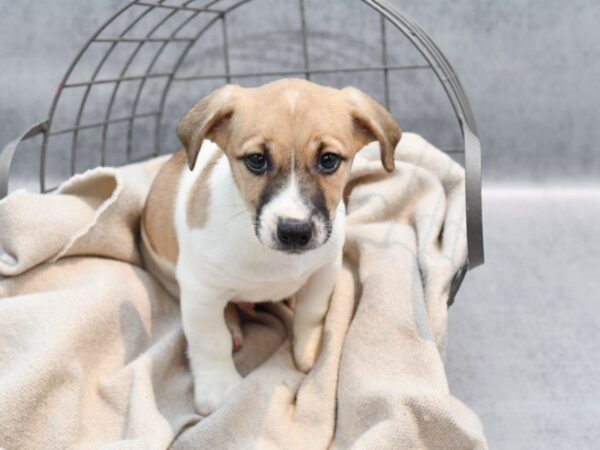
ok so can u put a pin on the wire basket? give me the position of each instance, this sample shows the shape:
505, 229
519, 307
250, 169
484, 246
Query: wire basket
122, 95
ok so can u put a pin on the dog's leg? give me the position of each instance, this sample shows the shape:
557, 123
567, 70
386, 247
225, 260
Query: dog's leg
234, 325
209, 347
312, 302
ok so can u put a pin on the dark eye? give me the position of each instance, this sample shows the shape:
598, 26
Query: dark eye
257, 163
328, 163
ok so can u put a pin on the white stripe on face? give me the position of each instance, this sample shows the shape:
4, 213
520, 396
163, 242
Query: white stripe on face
292, 97
286, 204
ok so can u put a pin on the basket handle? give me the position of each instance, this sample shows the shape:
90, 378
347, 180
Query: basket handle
473, 196
8, 152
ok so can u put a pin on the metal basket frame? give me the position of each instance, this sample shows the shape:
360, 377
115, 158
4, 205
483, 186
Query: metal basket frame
389, 13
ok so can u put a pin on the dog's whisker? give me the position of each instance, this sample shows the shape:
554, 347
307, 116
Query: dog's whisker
235, 216
225, 205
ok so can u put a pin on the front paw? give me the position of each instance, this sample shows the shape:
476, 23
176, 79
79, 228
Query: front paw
307, 346
211, 389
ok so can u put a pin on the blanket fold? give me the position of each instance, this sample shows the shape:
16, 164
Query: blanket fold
92, 354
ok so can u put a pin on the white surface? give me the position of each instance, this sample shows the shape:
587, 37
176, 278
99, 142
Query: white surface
524, 333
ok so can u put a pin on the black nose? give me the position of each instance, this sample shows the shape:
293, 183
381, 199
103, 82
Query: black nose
294, 233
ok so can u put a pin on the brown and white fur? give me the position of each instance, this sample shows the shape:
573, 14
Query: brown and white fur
238, 235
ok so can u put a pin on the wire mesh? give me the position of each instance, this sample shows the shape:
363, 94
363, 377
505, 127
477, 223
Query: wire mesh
141, 70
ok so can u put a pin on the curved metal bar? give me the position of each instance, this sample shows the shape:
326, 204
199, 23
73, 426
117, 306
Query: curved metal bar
89, 86
150, 67
8, 152
398, 19
447, 76
384, 61
205, 8
122, 74
450, 74
291, 72
472, 172
473, 197
62, 84
182, 56
304, 34
225, 38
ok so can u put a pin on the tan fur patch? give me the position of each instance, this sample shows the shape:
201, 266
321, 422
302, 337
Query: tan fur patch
159, 214
197, 205
293, 121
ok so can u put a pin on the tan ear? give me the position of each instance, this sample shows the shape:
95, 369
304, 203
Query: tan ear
208, 119
374, 123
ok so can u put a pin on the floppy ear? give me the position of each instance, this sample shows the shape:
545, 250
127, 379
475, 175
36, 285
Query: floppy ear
208, 119
372, 122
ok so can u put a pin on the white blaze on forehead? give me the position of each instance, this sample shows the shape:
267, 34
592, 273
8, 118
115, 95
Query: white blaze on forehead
292, 97
355, 95
226, 93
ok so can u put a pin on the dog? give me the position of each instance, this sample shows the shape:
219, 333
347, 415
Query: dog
251, 210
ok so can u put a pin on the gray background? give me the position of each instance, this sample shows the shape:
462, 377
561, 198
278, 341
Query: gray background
524, 339
531, 70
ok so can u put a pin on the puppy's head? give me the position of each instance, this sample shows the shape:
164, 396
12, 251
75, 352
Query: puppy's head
290, 144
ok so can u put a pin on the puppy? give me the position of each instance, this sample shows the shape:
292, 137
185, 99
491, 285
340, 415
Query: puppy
256, 213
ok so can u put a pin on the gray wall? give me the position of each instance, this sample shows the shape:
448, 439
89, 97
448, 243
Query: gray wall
523, 333
530, 68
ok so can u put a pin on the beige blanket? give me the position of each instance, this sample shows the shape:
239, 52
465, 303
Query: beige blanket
92, 353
